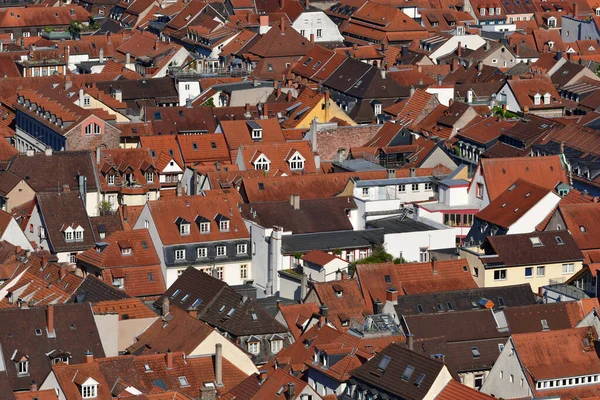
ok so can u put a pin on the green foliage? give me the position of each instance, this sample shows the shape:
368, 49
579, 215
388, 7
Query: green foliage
75, 28
210, 102
499, 112
105, 207
379, 255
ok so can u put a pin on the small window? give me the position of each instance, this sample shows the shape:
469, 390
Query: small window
180, 255
500, 275
501, 302
419, 380
242, 248
365, 192
475, 352
536, 241
541, 271
449, 305
545, 326
196, 303
559, 240
415, 187
408, 371
384, 363
201, 252
183, 381
529, 272
221, 251
388, 279
420, 309
440, 307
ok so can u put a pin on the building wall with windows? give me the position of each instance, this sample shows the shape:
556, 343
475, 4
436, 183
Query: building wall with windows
415, 246
498, 382
319, 24
536, 275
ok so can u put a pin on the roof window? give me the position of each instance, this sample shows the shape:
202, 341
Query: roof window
408, 371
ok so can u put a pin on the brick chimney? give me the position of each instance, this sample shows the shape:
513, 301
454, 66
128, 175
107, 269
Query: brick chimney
459, 50
433, 265
392, 295
291, 391
312, 37
62, 272
219, 364
454, 64
410, 340
169, 359
66, 52
575, 10
89, 357
50, 320
282, 24
33, 387
165, 306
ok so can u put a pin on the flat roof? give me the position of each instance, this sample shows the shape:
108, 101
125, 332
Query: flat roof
397, 225
331, 240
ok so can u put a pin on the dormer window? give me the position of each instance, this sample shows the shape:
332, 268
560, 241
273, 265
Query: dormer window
255, 130
498, 11
79, 235
89, 389
537, 99
149, 177
547, 98
203, 224
184, 226
598, 12
125, 248
223, 222
550, 45
23, 367
482, 11
110, 179
68, 236
296, 162
491, 10
262, 163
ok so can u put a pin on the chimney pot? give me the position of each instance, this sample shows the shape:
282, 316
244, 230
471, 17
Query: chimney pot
89, 357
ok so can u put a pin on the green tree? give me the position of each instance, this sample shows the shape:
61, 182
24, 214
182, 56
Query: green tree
210, 102
105, 207
378, 255
75, 28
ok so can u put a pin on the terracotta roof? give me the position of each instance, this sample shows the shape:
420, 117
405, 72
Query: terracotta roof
21, 17
578, 219
556, 354
278, 42
513, 204
160, 145
279, 155
456, 391
525, 90
138, 281
330, 141
48, 394
413, 278
501, 173
351, 298
203, 148
485, 130
296, 315
166, 212
252, 388
178, 331
238, 132
131, 308
318, 257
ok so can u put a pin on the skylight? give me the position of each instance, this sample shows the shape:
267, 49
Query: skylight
559, 240
536, 241
384, 363
230, 313
408, 372
545, 326
183, 381
475, 352
419, 380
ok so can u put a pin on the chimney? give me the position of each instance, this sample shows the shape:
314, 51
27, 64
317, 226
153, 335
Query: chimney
295, 201
219, 364
62, 272
303, 286
479, 65
487, 45
312, 37
68, 83
355, 47
378, 306
391, 295
413, 172
127, 59
169, 359
433, 260
263, 24
179, 189
575, 10
391, 173
323, 310
288, 96
193, 313
50, 320
48, 151
108, 37
165, 306
517, 50
412, 91
101, 55
410, 340
307, 5
33, 387
281, 23
66, 52
459, 50
291, 391
208, 393
66, 188
450, 102
262, 376
454, 64
89, 357
313, 129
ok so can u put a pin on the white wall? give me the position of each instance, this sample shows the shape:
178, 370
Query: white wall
52, 383
15, 236
177, 60
230, 352
536, 214
498, 380
311, 21
408, 244
473, 199
188, 90
444, 94
108, 329
505, 94
471, 42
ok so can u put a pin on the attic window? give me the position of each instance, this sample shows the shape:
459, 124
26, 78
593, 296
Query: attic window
157, 116
147, 368
475, 352
254, 316
408, 371
89, 391
184, 298
384, 363
183, 381
308, 60
420, 309
536, 241
222, 308
559, 240
501, 302
230, 313
176, 293
213, 145
545, 326
388, 279
419, 380
195, 145
38, 332
582, 229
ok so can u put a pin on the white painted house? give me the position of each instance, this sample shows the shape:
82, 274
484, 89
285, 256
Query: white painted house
471, 42
317, 23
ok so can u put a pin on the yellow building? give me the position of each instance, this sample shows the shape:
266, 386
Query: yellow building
538, 258
312, 104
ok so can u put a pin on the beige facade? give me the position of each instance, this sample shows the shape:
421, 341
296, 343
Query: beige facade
20, 194
537, 275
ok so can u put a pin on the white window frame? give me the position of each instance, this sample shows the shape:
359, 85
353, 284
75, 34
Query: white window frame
110, 179
254, 348
89, 391
180, 255
414, 187
542, 269
242, 248
244, 271
184, 229
224, 226
221, 251
262, 163
500, 278
296, 162
276, 346
23, 368
204, 227
568, 268
428, 186
78, 236
68, 236
201, 252
87, 101
149, 177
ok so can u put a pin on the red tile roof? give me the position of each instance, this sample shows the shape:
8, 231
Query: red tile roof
457, 391
238, 133
279, 154
203, 148
142, 254
130, 308
296, 315
276, 43
501, 173
20, 17
318, 257
138, 281
413, 278
579, 221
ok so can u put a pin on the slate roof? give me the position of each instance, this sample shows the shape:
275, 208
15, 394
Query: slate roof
44, 173
314, 215
75, 329
94, 290
329, 241
60, 210
520, 249
464, 300
220, 306
388, 381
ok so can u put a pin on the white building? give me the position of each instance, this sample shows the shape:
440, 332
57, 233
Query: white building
317, 23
